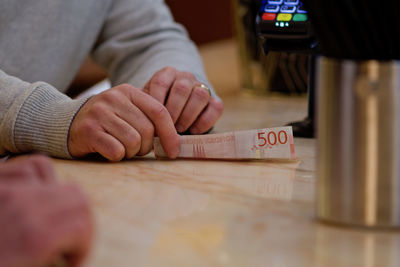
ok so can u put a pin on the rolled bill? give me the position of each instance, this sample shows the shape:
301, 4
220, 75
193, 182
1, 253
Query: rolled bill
271, 143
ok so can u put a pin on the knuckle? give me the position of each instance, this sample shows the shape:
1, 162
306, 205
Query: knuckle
144, 150
125, 86
116, 153
201, 94
147, 138
182, 87
41, 161
112, 96
218, 106
25, 171
98, 109
159, 112
188, 75
88, 126
135, 141
160, 81
168, 69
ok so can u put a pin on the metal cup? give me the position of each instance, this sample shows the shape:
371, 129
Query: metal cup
358, 142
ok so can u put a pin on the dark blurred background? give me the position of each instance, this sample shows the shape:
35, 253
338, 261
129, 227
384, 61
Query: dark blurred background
206, 20
213, 20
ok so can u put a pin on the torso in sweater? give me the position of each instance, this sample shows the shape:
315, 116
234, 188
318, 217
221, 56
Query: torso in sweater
47, 40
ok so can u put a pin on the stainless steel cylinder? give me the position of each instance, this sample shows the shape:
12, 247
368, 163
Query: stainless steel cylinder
358, 169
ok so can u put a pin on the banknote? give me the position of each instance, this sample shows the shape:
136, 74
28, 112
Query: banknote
269, 143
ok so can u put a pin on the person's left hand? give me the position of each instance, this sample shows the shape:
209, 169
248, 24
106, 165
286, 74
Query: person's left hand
191, 105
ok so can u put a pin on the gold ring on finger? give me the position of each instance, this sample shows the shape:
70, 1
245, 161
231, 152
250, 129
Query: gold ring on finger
206, 87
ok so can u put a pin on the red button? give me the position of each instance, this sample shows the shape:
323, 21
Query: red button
268, 16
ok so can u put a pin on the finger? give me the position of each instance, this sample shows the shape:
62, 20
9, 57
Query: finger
46, 214
27, 169
71, 225
139, 121
179, 95
44, 167
124, 133
17, 172
197, 102
81, 224
108, 146
160, 84
208, 117
161, 120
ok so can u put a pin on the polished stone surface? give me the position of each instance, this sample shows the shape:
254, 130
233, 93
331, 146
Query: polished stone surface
221, 213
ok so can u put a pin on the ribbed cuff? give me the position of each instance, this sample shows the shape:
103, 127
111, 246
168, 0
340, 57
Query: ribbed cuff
44, 120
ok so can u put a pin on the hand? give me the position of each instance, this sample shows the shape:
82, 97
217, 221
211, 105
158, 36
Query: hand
42, 223
122, 122
191, 106
29, 169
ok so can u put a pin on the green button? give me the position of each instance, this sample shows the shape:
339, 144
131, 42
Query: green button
300, 17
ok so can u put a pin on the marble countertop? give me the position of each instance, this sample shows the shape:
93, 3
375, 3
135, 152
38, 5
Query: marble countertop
221, 213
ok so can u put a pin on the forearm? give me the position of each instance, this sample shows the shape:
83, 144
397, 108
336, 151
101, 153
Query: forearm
34, 117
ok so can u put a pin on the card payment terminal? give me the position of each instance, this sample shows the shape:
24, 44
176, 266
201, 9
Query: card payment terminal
284, 25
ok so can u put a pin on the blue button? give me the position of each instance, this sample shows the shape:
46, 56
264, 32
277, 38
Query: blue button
291, 2
271, 9
288, 9
300, 9
275, 2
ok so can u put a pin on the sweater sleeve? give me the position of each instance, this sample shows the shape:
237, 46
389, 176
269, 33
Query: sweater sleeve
34, 117
139, 38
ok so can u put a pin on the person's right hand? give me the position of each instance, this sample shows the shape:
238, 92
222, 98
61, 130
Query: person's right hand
122, 122
28, 169
40, 224
40, 220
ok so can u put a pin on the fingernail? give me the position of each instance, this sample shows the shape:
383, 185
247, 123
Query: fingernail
175, 152
179, 128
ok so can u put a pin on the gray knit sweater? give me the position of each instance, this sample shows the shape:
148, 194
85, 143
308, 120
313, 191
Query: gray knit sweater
44, 42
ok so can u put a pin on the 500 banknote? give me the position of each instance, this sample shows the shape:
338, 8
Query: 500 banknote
270, 143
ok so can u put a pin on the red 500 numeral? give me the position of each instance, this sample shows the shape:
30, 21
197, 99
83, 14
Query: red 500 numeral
272, 138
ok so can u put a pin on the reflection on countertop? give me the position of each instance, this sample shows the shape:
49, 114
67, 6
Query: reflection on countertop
221, 213
218, 213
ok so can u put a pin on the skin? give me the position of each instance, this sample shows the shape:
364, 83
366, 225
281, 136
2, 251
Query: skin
28, 169
41, 220
122, 121
191, 106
